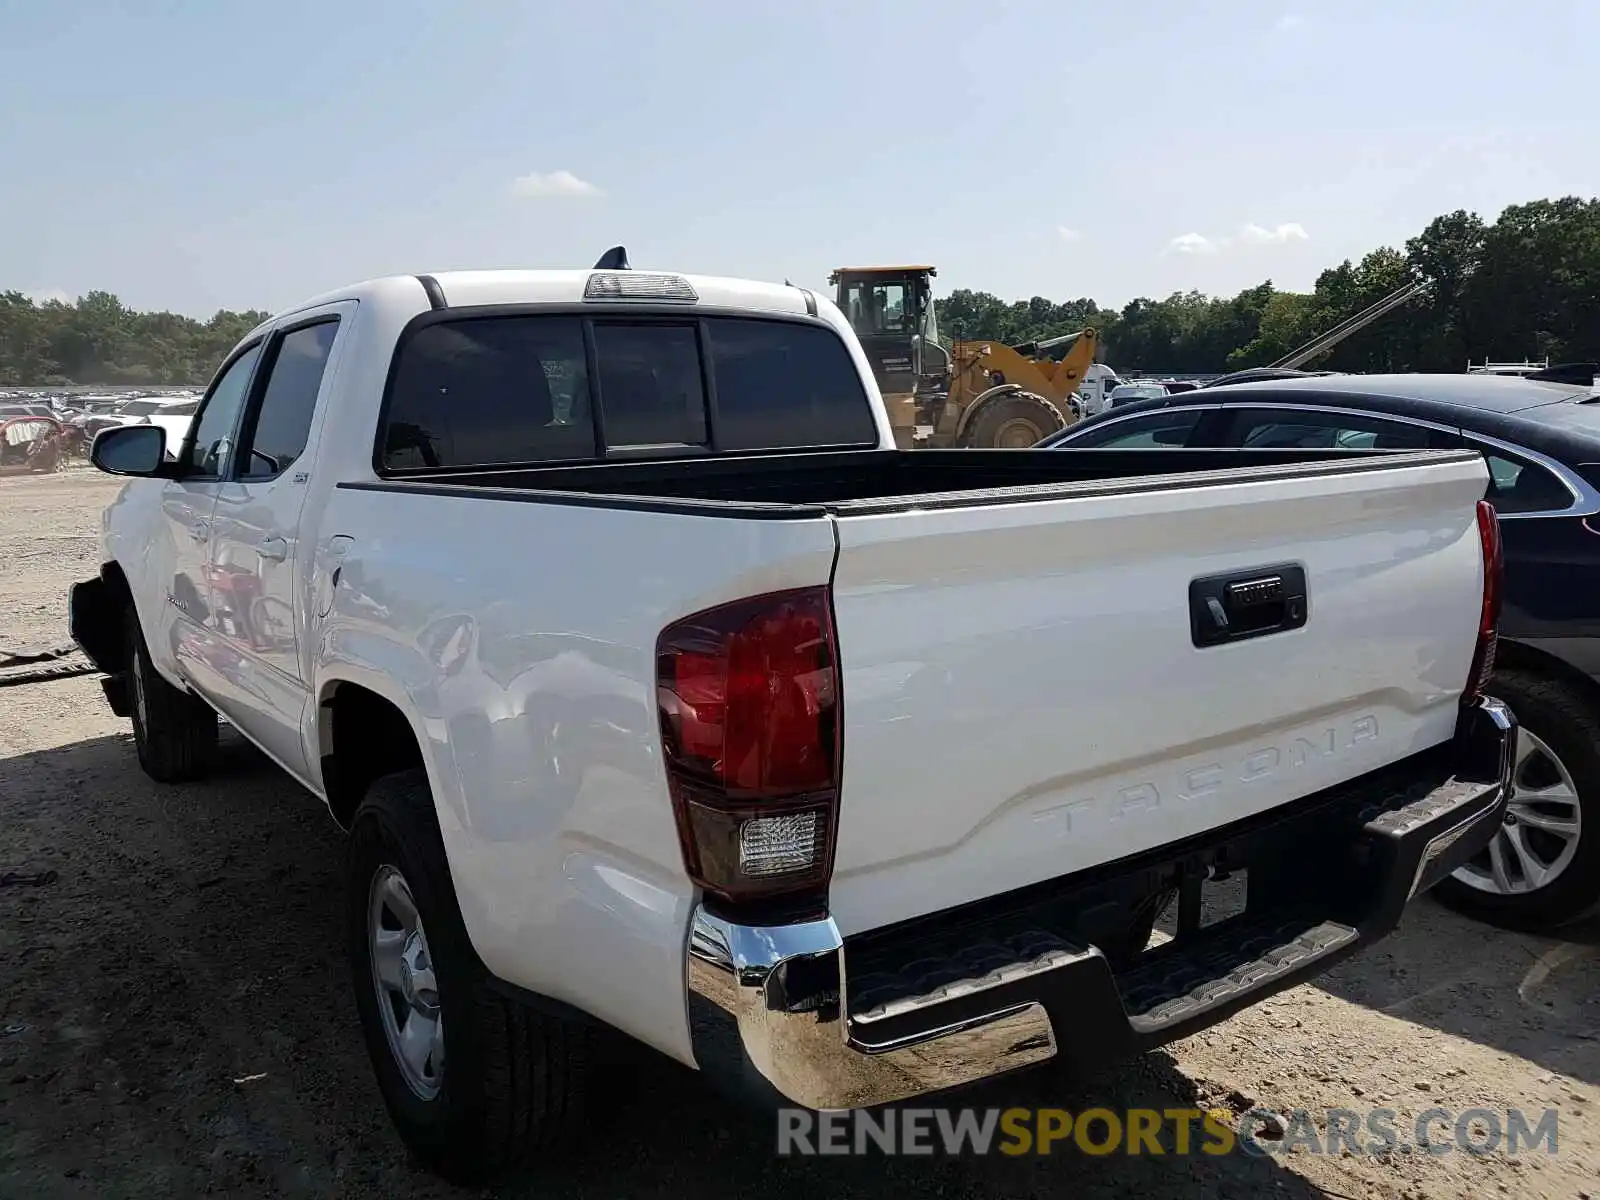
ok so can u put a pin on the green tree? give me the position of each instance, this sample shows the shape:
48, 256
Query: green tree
98, 339
1445, 255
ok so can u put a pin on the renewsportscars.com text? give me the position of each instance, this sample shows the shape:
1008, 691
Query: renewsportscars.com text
1174, 1131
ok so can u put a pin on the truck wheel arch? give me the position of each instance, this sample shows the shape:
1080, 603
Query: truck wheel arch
121, 593
103, 632
362, 735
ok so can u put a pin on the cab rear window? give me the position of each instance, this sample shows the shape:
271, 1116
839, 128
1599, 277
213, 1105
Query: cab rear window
481, 391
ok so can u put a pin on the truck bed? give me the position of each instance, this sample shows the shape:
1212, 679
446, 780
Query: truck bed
1028, 688
860, 483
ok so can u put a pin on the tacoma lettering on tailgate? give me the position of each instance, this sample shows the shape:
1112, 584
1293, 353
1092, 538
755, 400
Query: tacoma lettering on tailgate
1197, 783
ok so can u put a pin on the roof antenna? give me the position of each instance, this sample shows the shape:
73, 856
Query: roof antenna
614, 259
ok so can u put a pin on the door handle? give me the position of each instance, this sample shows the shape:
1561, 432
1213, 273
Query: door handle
273, 548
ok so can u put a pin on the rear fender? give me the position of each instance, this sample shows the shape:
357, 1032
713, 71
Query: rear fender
557, 917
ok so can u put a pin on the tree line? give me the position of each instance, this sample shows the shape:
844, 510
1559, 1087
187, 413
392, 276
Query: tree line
98, 339
1524, 286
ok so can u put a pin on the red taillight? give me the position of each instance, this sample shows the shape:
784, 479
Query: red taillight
749, 700
1489, 612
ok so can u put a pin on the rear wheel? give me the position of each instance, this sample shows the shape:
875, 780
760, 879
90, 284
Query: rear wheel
174, 731
1542, 869
476, 1083
1013, 421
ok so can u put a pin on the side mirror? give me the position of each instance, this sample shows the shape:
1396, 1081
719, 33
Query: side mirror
131, 450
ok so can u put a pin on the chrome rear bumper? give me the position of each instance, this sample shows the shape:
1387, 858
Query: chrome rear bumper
765, 1007
771, 1008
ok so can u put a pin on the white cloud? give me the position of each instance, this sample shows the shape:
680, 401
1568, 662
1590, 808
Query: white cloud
1290, 22
1068, 235
1289, 231
49, 295
1249, 235
553, 183
1192, 243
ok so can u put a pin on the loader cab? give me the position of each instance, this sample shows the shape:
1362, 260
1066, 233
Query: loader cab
892, 312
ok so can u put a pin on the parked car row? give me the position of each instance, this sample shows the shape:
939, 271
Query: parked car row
1541, 442
80, 417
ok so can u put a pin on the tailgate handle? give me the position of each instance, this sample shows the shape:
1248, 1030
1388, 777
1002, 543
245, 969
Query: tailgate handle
1247, 604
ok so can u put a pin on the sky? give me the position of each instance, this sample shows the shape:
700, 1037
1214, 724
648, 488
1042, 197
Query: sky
201, 154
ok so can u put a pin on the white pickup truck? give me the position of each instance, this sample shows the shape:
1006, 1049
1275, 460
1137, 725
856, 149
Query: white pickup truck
658, 692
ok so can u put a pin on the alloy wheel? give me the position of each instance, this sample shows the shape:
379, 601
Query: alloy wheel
1540, 834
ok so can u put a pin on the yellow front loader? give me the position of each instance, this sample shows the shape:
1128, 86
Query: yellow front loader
1014, 395
976, 393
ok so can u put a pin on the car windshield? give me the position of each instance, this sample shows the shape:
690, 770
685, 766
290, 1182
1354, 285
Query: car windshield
138, 408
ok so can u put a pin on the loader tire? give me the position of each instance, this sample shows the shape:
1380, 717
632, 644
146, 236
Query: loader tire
1013, 421
174, 732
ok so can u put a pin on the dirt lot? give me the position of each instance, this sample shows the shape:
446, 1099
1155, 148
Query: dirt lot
175, 1016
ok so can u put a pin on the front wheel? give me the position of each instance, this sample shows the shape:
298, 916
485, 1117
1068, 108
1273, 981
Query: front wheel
174, 731
1542, 869
1013, 422
476, 1083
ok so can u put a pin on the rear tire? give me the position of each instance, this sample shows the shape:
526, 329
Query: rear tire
1123, 948
174, 731
504, 1082
1013, 421
1559, 756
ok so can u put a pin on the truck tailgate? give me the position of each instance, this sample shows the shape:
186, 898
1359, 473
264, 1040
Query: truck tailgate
1023, 696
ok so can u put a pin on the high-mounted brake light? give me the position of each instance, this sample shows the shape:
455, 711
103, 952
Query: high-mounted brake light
636, 285
1489, 611
748, 694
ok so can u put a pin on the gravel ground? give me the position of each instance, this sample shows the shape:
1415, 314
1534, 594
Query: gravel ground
175, 1016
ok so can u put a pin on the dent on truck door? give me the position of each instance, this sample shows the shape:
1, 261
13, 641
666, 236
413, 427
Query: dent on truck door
259, 559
